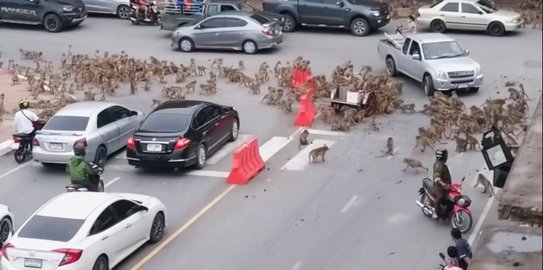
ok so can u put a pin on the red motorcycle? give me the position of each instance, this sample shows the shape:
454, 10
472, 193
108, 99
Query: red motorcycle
455, 209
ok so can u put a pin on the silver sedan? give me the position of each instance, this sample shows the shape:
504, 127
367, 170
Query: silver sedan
235, 30
102, 127
121, 8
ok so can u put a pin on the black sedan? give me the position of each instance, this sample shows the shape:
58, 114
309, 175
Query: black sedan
182, 133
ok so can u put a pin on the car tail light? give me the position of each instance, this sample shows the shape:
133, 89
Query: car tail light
181, 143
81, 142
35, 142
131, 143
267, 31
16, 138
70, 255
5, 250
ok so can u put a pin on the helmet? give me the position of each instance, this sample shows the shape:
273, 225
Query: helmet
442, 154
79, 150
24, 104
451, 252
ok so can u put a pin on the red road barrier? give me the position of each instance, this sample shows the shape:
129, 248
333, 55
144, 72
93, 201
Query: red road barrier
299, 77
307, 111
247, 163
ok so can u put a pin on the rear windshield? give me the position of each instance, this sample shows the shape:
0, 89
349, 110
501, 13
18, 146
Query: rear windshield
260, 19
67, 123
51, 228
165, 122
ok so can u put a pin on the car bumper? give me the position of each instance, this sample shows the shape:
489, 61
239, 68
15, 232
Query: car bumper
6, 265
270, 42
444, 85
378, 22
43, 156
512, 26
73, 18
173, 160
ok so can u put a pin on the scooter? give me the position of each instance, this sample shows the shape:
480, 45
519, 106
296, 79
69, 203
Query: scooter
447, 265
24, 150
97, 179
455, 210
137, 15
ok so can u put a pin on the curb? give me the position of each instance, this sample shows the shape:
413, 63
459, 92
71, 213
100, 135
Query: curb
6, 147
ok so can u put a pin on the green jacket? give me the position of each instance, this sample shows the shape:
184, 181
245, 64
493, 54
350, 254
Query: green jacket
441, 171
79, 169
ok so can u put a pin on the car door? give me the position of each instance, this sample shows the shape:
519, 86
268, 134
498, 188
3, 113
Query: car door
474, 17
108, 129
415, 67
450, 13
126, 121
212, 9
106, 229
332, 13
22, 10
222, 123
206, 129
310, 11
132, 222
208, 33
234, 32
91, 5
402, 61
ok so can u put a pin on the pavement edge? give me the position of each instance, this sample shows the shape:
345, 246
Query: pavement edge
5, 147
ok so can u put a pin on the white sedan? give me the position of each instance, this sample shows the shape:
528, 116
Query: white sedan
6, 224
476, 15
85, 230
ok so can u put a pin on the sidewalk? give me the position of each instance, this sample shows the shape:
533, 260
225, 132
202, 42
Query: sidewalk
12, 95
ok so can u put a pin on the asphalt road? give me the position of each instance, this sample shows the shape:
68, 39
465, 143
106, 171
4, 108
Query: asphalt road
354, 211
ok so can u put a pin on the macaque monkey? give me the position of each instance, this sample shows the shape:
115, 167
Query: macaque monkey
389, 148
423, 142
472, 142
408, 108
315, 153
241, 65
461, 144
15, 79
303, 138
483, 181
414, 164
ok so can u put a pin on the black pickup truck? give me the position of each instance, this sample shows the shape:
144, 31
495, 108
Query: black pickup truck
360, 16
54, 15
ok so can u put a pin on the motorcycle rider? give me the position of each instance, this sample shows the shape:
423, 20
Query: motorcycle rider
411, 27
143, 5
442, 179
24, 119
463, 249
80, 170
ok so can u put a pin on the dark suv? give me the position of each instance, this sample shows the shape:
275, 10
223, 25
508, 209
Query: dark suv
54, 15
360, 16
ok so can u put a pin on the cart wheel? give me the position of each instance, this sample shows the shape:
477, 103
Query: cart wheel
370, 104
337, 107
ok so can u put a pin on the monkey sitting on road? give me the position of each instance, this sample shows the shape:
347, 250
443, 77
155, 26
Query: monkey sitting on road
303, 138
414, 164
389, 148
483, 181
315, 153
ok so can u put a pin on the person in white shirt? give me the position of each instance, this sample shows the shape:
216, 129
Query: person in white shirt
411, 27
24, 119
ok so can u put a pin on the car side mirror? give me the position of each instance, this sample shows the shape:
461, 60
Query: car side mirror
142, 208
481, 13
415, 57
340, 4
133, 113
199, 26
466, 52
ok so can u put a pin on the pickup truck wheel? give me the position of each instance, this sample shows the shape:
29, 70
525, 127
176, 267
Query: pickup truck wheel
186, 45
360, 27
438, 26
496, 29
474, 89
391, 67
428, 85
52, 23
289, 23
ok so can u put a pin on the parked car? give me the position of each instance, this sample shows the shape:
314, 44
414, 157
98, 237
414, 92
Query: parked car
121, 8
476, 15
179, 134
232, 30
360, 16
102, 127
174, 17
434, 59
53, 15
85, 230
6, 224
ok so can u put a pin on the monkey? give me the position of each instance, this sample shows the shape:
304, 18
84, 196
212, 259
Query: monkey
389, 148
483, 181
147, 86
217, 63
414, 164
212, 76
408, 108
156, 102
374, 125
241, 65
472, 142
303, 138
190, 86
461, 144
201, 70
15, 79
349, 115
423, 142
359, 116
315, 153
103, 98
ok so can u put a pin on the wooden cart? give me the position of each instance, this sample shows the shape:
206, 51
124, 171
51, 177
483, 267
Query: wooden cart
361, 100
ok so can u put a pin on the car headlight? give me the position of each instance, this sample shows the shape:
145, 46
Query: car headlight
375, 13
477, 71
441, 75
68, 8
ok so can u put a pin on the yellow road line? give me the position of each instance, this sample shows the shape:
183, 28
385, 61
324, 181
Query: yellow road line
185, 226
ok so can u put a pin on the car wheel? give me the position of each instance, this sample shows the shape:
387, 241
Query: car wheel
52, 23
438, 26
249, 47
428, 85
234, 132
100, 156
201, 157
157, 228
101, 263
360, 27
496, 29
123, 12
186, 45
6, 229
391, 67
289, 23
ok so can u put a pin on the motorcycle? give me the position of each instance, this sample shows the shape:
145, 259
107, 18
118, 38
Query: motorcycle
97, 179
137, 15
455, 209
447, 265
24, 150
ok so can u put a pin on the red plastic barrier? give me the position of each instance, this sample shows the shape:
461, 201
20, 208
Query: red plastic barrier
307, 111
299, 77
247, 163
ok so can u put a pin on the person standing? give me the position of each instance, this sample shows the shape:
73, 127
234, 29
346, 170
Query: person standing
463, 249
411, 27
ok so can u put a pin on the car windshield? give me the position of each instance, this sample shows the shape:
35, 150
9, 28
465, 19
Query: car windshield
443, 49
67, 123
51, 228
165, 122
486, 6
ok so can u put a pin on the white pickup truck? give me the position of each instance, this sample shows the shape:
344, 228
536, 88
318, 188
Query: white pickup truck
434, 59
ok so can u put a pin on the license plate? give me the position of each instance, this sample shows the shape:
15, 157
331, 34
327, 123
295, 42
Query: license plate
462, 85
154, 147
33, 263
56, 146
